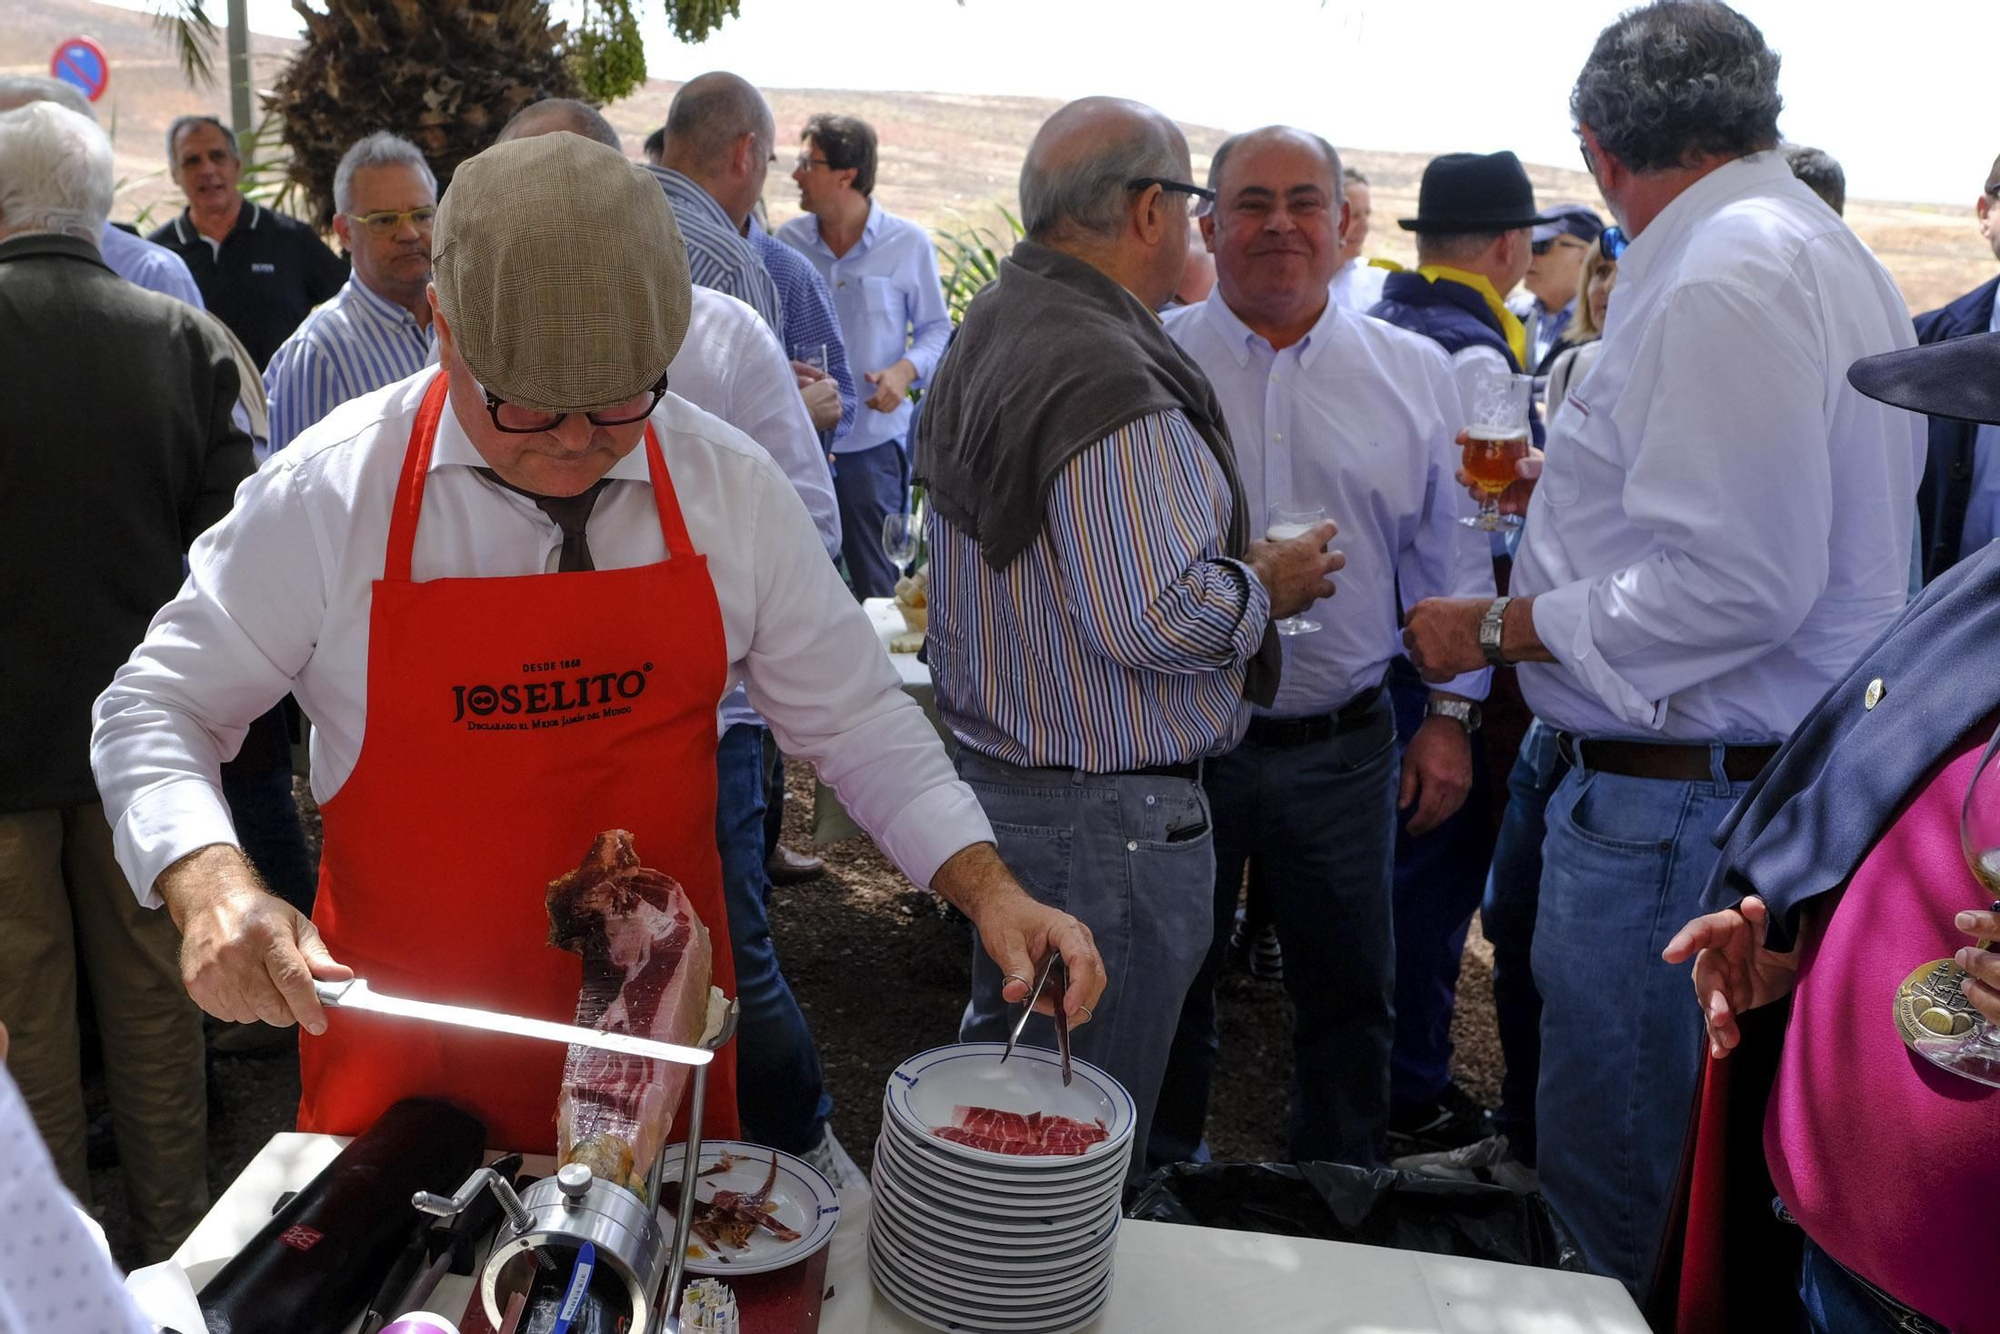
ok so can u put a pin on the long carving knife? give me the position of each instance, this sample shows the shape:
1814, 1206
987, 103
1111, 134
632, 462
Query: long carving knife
356, 994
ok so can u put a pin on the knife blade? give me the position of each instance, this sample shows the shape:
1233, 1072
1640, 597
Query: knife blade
356, 994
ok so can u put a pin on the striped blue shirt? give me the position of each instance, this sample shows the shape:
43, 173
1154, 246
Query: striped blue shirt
717, 256
811, 322
1118, 640
350, 346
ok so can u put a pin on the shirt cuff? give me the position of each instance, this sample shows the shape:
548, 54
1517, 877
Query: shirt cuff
1562, 623
1256, 609
1472, 685
937, 825
164, 824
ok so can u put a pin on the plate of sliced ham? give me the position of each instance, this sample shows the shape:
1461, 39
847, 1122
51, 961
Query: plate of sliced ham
756, 1209
1015, 1115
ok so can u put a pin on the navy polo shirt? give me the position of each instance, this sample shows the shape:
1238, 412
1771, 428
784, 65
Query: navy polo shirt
264, 278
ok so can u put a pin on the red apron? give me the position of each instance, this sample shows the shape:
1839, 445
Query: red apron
510, 720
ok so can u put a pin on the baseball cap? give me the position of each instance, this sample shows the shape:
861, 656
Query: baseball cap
561, 273
1578, 220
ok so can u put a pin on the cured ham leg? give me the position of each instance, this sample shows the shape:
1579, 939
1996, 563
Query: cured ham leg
646, 966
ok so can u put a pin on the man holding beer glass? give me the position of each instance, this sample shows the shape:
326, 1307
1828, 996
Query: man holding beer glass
1722, 526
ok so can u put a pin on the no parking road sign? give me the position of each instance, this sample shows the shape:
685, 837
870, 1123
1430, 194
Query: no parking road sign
82, 62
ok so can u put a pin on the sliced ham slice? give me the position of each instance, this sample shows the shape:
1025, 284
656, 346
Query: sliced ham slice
646, 967
1024, 1134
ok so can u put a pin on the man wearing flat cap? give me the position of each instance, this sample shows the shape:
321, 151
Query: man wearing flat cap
511, 593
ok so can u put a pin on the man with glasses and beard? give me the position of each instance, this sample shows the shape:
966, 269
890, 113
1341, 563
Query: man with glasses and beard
377, 329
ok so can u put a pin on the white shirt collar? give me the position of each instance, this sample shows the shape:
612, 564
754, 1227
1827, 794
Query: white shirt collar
1751, 174
1240, 338
453, 449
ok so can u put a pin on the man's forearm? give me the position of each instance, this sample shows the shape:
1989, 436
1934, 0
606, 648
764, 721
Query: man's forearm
1518, 640
973, 877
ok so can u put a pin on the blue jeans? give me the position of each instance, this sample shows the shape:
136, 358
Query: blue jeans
869, 485
1838, 1301
780, 1092
1132, 857
1439, 876
257, 784
1623, 868
1507, 916
1328, 810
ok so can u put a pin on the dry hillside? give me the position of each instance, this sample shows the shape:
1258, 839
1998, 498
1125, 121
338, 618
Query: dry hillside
947, 160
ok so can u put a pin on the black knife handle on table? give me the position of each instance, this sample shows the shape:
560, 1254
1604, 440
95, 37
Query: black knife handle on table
313, 1266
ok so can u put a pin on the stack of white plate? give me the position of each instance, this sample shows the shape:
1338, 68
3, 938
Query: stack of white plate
964, 1239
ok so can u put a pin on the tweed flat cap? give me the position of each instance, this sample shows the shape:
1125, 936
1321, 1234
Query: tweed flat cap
561, 273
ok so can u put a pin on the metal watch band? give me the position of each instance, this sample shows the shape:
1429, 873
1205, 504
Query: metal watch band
1489, 631
1463, 712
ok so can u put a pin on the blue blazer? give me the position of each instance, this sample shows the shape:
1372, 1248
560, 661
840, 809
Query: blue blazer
1947, 486
1848, 771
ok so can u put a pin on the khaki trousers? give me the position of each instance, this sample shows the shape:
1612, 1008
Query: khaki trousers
64, 902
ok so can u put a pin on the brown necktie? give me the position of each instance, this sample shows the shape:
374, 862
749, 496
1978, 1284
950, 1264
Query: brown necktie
571, 513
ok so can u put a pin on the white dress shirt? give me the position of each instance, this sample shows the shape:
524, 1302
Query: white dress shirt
1357, 285
891, 306
279, 594
1358, 418
1723, 523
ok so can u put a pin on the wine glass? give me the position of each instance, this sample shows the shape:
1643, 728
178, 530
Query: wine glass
1288, 522
899, 540
1936, 1019
1495, 441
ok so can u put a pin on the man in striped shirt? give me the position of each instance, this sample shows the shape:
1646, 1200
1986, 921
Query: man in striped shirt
377, 329
1096, 604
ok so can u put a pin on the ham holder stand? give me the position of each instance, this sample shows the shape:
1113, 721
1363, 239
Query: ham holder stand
546, 1226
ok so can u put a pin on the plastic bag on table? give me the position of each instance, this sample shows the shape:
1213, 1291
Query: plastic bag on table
1377, 1207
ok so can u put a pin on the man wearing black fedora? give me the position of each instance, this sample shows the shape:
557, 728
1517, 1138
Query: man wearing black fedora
1475, 216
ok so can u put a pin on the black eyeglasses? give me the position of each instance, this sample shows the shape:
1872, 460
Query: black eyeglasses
1613, 243
1172, 187
517, 420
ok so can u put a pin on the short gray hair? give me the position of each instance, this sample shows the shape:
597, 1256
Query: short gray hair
1453, 247
1235, 141
55, 172
18, 90
1820, 171
1678, 80
709, 114
1089, 192
572, 115
380, 149
183, 122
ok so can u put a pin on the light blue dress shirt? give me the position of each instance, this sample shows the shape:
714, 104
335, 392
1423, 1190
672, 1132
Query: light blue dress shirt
153, 267
717, 255
891, 306
811, 322
352, 345
1357, 418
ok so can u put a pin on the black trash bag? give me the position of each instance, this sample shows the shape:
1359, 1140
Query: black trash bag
1380, 1207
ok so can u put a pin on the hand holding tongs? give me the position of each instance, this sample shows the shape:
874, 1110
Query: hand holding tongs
1059, 971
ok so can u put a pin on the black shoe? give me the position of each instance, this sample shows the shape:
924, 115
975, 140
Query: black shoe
1452, 1122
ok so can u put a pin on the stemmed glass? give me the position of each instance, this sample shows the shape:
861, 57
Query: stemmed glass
1495, 440
900, 533
1288, 522
1936, 1019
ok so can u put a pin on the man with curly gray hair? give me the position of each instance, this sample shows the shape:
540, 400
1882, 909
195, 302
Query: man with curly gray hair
1723, 526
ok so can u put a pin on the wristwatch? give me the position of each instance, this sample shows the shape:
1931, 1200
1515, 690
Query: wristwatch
1461, 711
1489, 631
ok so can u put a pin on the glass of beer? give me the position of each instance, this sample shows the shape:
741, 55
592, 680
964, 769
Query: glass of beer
1288, 522
1495, 440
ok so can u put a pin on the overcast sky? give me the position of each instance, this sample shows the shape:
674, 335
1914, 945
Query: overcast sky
1899, 95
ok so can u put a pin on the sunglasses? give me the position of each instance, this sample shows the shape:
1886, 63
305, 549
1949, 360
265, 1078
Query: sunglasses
1614, 242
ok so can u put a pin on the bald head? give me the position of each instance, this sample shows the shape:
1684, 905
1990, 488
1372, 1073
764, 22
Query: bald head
1074, 178
560, 113
1284, 135
709, 117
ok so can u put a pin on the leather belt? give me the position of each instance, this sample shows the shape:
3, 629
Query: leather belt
1320, 727
1188, 769
1674, 763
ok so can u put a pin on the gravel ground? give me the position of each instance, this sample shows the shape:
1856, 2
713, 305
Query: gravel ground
881, 972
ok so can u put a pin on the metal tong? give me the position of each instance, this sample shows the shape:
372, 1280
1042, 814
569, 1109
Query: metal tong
1055, 968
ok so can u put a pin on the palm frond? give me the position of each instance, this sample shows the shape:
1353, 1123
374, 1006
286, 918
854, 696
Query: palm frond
194, 35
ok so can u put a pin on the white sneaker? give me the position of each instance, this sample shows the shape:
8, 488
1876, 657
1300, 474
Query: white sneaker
1487, 1160
832, 1162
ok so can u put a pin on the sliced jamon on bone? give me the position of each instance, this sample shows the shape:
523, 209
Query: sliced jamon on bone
646, 967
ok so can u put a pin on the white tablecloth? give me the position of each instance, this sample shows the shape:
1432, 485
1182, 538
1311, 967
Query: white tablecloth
1167, 1279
